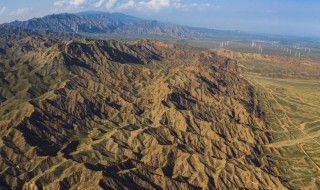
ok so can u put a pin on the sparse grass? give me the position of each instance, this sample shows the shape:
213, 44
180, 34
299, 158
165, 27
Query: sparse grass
293, 104
288, 90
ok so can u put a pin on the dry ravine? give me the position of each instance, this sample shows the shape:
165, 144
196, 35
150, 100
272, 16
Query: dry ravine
102, 114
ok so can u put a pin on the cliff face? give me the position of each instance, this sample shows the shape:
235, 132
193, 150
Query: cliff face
104, 114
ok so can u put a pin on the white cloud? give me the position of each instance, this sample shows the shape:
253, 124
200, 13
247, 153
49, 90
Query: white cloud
177, 4
77, 2
19, 12
3, 10
157, 5
127, 5
58, 3
8, 15
121, 5
150, 5
154, 4
71, 3
99, 3
22, 11
110, 4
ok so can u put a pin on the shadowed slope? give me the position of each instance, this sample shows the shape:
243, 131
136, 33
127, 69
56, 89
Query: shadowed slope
145, 115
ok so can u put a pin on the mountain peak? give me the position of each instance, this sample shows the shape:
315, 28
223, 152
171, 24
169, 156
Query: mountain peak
110, 24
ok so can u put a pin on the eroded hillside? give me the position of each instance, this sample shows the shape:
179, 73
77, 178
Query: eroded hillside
90, 114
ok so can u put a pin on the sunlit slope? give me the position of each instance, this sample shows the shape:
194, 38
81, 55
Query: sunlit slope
86, 114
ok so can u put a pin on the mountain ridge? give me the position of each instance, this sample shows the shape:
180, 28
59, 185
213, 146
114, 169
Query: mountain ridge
95, 23
118, 24
87, 113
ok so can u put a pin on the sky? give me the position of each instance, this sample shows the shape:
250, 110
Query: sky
284, 17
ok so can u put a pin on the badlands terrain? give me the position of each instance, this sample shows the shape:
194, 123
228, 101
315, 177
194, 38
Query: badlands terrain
84, 112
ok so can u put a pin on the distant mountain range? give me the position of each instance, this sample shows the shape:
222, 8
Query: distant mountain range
117, 24
79, 112
105, 24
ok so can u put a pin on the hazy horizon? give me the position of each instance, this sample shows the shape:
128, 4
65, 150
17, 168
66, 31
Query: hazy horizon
298, 18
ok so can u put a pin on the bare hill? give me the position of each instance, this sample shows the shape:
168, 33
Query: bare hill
95, 114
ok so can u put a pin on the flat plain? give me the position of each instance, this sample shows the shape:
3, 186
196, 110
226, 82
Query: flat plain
287, 91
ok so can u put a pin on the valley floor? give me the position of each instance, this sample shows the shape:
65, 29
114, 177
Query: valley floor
287, 91
291, 107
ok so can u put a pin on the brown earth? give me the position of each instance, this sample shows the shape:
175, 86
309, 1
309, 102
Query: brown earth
95, 114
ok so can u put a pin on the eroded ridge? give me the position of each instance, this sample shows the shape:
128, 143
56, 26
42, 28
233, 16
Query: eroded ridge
104, 114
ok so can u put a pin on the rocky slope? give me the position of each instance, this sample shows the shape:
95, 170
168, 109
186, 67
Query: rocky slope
95, 114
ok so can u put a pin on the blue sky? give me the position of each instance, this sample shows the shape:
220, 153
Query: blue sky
292, 17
